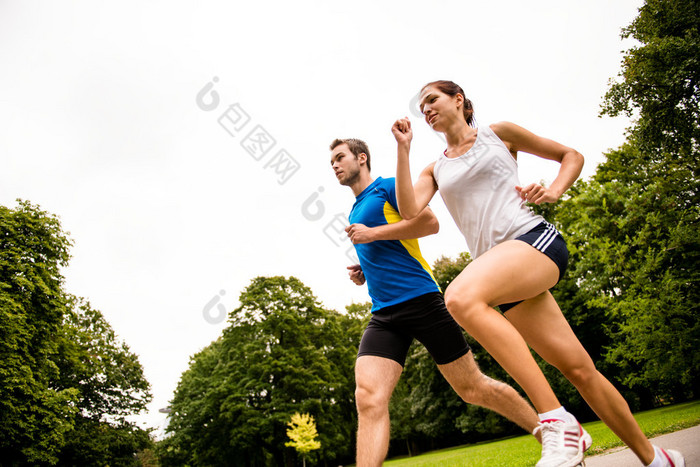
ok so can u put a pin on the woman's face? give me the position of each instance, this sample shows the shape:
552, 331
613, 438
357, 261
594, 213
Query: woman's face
440, 110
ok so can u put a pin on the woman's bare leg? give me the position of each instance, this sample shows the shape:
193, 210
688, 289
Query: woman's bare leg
542, 324
509, 272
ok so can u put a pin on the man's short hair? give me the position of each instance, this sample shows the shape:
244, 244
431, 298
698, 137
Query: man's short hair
357, 147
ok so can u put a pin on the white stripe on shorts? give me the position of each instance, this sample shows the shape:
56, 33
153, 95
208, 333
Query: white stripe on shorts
546, 238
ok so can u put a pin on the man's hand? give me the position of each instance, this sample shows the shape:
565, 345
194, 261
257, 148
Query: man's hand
356, 274
359, 233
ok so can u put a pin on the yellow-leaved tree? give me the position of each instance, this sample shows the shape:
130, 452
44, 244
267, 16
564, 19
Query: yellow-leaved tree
302, 432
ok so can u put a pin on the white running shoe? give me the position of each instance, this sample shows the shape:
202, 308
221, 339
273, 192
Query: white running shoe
563, 443
672, 458
586, 439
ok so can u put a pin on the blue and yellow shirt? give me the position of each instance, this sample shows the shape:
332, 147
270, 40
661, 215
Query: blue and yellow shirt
395, 270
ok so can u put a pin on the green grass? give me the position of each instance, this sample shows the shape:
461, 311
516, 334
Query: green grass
525, 451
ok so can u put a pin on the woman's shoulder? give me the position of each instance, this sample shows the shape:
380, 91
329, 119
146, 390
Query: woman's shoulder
508, 133
430, 168
503, 128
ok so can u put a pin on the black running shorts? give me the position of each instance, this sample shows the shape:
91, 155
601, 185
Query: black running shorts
392, 329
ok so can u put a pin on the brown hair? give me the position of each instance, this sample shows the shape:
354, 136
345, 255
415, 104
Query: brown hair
452, 89
357, 147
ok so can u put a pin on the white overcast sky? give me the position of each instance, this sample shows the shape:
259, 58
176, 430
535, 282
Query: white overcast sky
99, 124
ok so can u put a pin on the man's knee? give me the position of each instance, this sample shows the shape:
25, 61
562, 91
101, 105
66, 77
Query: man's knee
486, 389
467, 379
370, 401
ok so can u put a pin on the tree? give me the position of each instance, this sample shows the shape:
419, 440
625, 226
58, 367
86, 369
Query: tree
66, 385
659, 83
447, 269
651, 247
631, 289
282, 353
193, 409
629, 292
302, 433
34, 414
111, 387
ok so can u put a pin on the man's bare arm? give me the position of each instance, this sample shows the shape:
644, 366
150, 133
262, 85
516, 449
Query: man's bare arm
420, 226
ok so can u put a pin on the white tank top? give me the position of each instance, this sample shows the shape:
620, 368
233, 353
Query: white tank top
478, 189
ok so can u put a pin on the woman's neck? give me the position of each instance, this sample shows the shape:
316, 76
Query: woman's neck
458, 134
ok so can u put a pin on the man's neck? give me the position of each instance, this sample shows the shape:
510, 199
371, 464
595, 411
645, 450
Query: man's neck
364, 181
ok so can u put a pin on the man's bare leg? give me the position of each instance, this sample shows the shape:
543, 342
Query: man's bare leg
476, 388
375, 379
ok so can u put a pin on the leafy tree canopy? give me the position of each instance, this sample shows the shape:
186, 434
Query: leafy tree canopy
66, 384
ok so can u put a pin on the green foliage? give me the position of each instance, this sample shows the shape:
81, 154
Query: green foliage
94, 442
633, 229
192, 409
111, 387
108, 374
659, 81
65, 385
631, 290
446, 269
633, 273
34, 415
431, 403
281, 354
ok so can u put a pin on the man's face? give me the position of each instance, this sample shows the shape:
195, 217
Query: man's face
345, 165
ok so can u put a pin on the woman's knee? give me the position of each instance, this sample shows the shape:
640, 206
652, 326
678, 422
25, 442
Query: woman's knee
458, 298
462, 303
581, 374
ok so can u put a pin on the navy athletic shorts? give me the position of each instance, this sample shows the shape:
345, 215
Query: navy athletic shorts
391, 331
547, 239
